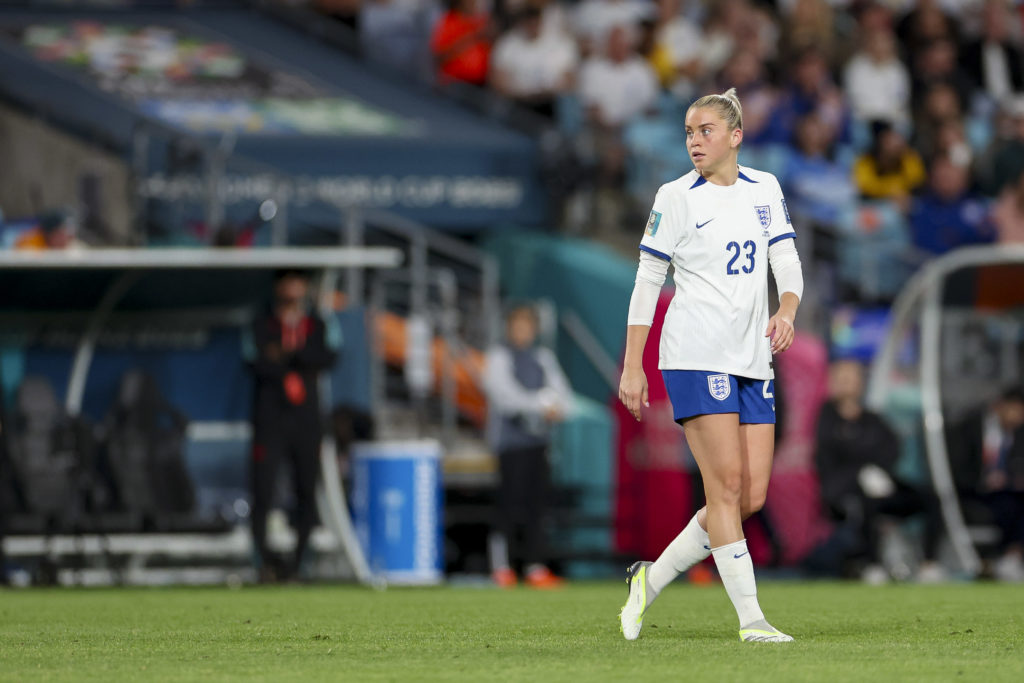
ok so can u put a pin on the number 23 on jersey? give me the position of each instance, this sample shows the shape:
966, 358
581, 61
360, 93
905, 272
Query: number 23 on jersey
744, 254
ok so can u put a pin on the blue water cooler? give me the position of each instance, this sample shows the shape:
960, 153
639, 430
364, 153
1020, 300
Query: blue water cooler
397, 500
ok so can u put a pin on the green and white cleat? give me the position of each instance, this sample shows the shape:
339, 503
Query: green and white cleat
631, 618
763, 632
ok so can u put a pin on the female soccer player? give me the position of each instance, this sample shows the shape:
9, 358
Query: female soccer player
715, 225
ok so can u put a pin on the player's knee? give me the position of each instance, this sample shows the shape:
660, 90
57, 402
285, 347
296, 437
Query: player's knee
728, 488
753, 503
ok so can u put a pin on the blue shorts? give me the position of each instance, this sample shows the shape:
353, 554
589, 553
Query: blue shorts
697, 392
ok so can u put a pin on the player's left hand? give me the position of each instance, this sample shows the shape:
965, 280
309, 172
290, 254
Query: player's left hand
780, 331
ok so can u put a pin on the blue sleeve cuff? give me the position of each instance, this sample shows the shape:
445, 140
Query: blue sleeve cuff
785, 236
655, 252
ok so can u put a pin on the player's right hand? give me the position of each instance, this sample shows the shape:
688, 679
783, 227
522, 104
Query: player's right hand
633, 391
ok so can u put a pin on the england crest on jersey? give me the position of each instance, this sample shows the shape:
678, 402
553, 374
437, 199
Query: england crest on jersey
719, 387
764, 215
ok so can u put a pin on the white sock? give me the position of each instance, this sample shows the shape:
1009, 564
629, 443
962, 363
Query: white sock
687, 549
737, 572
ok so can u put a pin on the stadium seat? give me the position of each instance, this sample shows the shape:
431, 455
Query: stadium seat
144, 449
49, 456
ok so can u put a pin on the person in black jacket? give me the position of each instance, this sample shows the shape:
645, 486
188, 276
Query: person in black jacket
992, 61
288, 349
986, 456
856, 455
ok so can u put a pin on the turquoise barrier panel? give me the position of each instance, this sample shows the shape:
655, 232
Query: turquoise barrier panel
581, 461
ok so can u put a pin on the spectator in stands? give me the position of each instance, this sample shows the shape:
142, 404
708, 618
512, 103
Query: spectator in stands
811, 90
947, 215
1008, 214
936, 62
746, 72
819, 189
395, 32
734, 23
614, 89
287, 350
809, 24
922, 25
461, 43
890, 170
532, 67
1004, 160
679, 39
619, 85
594, 20
993, 61
876, 82
986, 454
657, 54
527, 394
939, 105
856, 456
757, 29
870, 16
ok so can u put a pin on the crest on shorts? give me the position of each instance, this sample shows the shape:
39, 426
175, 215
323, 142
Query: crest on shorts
719, 387
653, 222
764, 214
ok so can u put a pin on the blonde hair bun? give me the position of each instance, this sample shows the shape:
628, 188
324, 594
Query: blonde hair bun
727, 105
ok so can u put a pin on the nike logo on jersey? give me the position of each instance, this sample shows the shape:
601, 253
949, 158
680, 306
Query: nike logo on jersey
736, 557
701, 225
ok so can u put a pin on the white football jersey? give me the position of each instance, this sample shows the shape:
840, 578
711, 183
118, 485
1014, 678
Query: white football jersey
717, 239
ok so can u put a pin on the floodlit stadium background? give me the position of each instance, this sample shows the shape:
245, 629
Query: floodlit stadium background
319, 134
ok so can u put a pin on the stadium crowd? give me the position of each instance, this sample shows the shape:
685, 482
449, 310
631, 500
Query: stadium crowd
895, 127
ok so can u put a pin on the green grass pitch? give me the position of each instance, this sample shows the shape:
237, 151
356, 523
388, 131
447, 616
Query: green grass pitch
844, 632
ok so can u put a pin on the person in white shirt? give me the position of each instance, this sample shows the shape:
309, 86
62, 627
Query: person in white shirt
531, 66
719, 226
614, 90
619, 85
876, 82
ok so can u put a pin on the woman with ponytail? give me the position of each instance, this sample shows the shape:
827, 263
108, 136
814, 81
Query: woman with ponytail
719, 226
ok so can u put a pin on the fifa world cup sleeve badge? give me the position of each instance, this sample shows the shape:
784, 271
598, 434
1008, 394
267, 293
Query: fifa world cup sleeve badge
653, 222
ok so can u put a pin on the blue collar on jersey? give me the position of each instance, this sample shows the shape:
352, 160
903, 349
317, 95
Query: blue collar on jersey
701, 180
